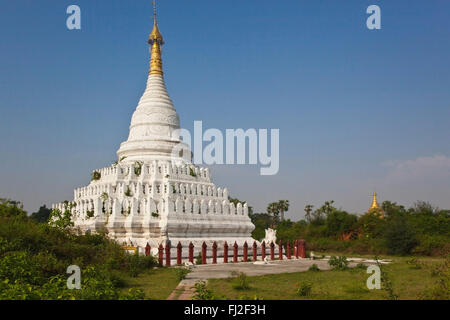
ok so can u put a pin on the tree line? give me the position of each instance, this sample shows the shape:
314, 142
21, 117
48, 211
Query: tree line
391, 229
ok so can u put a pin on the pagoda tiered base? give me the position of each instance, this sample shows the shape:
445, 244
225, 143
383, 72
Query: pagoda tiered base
158, 201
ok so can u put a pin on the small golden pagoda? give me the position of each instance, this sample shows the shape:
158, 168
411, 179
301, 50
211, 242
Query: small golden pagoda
375, 208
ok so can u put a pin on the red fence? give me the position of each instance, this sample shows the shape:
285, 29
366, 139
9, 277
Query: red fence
298, 250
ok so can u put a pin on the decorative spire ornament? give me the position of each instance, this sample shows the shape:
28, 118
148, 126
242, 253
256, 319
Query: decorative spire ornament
374, 202
156, 41
375, 208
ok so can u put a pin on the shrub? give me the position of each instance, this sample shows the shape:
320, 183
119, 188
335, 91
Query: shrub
400, 238
136, 263
128, 192
11, 209
21, 266
314, 268
441, 287
133, 294
432, 245
304, 288
255, 297
339, 222
117, 279
182, 273
96, 175
34, 258
240, 281
338, 263
371, 225
361, 266
441, 269
413, 263
440, 291
41, 215
62, 219
155, 215
201, 292
138, 168
198, 259
96, 284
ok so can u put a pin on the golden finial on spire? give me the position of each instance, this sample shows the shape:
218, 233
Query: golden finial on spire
156, 41
374, 202
155, 35
375, 208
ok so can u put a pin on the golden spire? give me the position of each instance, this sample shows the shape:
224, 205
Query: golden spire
156, 41
374, 202
375, 208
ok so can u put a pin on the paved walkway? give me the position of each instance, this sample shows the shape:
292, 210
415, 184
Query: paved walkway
184, 290
218, 271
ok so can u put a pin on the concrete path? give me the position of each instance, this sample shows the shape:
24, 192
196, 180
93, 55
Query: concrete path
184, 290
218, 271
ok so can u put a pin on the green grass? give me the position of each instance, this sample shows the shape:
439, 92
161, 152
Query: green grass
157, 284
408, 283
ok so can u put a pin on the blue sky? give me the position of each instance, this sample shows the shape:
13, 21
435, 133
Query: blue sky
358, 110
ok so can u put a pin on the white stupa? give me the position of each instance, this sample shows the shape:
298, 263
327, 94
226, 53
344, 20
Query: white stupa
151, 195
